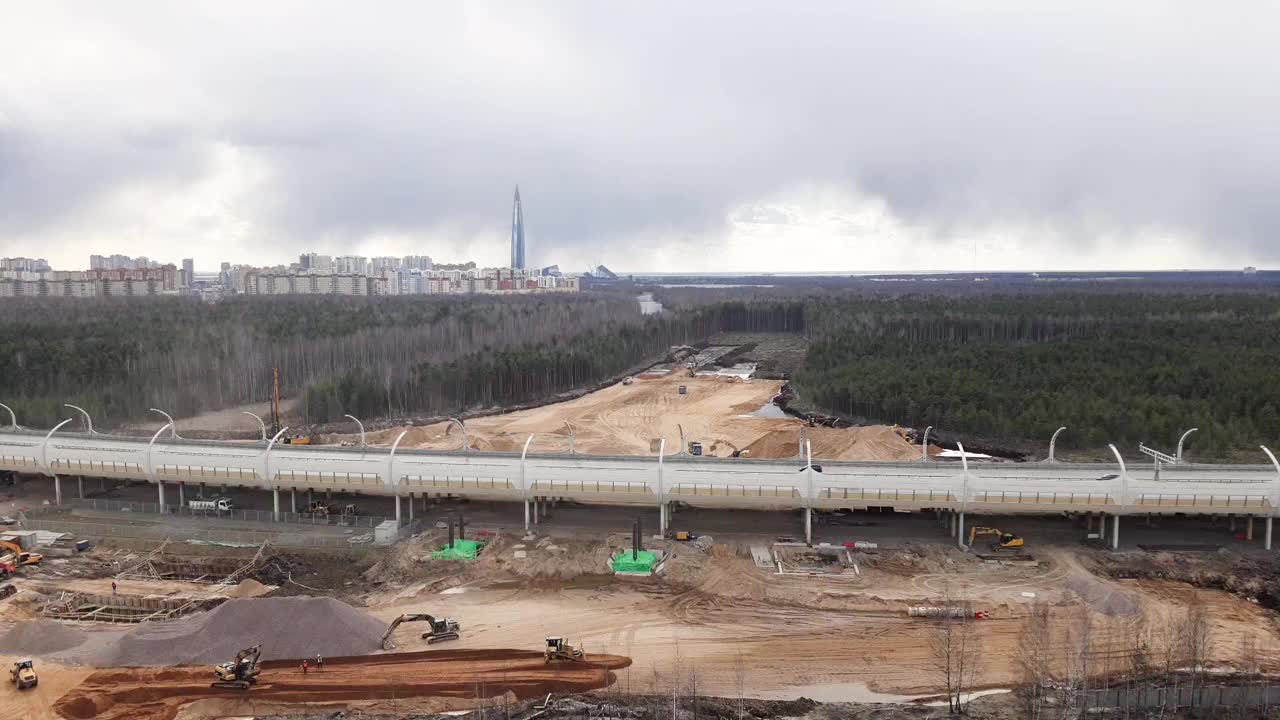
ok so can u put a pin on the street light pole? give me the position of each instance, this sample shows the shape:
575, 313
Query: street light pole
465, 445
173, 426
353, 417
13, 419
261, 424
924, 445
88, 421
1183, 439
1053, 443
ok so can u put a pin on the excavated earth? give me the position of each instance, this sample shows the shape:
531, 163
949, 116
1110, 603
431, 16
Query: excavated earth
159, 693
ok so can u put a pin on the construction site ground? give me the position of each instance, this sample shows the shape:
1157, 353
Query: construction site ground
714, 612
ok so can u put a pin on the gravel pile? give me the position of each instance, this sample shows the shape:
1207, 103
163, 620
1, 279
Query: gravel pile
287, 628
40, 637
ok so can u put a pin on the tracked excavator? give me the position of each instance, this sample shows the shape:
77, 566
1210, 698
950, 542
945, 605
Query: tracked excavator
1003, 541
441, 630
241, 673
559, 649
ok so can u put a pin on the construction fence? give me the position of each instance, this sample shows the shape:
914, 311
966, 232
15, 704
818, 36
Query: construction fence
150, 508
1240, 696
225, 538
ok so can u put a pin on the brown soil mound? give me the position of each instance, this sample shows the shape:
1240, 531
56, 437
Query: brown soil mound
138, 693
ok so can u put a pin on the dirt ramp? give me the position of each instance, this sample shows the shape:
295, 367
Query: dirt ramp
158, 694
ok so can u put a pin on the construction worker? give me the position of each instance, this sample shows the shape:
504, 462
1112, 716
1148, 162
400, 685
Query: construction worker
319, 662
304, 667
113, 587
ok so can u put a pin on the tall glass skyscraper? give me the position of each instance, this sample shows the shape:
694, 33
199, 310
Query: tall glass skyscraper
517, 234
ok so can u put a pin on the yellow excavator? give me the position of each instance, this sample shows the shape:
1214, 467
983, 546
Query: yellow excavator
440, 630
241, 673
21, 557
1003, 541
23, 675
559, 649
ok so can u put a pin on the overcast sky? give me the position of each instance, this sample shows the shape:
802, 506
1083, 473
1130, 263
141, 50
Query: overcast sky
670, 136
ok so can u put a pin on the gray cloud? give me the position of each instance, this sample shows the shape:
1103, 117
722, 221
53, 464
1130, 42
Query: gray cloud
625, 121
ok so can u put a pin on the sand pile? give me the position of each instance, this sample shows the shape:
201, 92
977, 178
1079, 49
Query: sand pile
40, 637
294, 627
248, 588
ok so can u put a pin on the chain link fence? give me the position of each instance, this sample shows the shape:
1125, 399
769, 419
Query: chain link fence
149, 508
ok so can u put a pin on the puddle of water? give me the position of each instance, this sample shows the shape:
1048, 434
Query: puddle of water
769, 410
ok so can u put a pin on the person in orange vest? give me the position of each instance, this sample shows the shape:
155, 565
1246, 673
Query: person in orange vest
304, 667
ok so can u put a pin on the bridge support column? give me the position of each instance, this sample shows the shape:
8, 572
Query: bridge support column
159, 488
310, 497
808, 525
80, 484
57, 490
1248, 529
662, 519
410, 507
293, 501
397, 509
951, 522
1102, 526
1231, 523
526, 515
182, 496
275, 504
1115, 532
535, 509
201, 491
1088, 523
1266, 539
960, 529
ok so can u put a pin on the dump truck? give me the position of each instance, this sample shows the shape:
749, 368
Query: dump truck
23, 674
211, 505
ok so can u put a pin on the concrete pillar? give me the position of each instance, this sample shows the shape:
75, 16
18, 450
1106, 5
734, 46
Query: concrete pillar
1248, 529
960, 530
1102, 527
80, 484
662, 519
57, 491
328, 494
201, 490
951, 523
535, 510
1148, 519
310, 497
293, 501
182, 496
1266, 540
1231, 523
410, 507
1088, 523
397, 509
526, 514
275, 504
1115, 532
808, 525
160, 488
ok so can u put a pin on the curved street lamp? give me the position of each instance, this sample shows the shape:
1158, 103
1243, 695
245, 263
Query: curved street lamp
357, 420
465, 446
1053, 443
261, 424
173, 424
13, 419
924, 445
88, 421
1183, 439
566, 424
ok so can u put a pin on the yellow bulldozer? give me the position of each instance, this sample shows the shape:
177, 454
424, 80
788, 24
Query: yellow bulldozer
1003, 541
559, 649
23, 675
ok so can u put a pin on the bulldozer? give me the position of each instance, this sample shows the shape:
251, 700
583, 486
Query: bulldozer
23, 675
440, 630
1003, 541
241, 673
559, 649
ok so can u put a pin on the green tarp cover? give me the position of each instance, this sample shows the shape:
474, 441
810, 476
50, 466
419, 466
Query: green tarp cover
644, 561
461, 550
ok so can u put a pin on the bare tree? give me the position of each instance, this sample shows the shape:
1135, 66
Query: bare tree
1035, 644
1197, 637
1079, 664
740, 680
954, 647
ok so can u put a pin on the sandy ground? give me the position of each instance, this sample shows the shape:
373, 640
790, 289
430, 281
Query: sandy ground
37, 703
626, 419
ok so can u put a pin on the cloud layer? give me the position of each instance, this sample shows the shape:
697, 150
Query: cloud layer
648, 136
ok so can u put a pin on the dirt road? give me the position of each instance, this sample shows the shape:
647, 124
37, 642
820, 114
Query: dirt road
720, 412
157, 693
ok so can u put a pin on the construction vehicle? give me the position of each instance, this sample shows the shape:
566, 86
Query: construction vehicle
441, 630
240, 673
1003, 541
684, 536
298, 440
7, 568
7, 590
17, 556
211, 505
695, 447
559, 649
23, 675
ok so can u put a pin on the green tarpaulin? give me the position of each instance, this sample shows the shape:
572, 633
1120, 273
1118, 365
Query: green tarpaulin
461, 550
644, 562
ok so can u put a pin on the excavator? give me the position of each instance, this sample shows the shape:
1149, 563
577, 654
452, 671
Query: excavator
13, 553
559, 649
1003, 541
440, 630
241, 673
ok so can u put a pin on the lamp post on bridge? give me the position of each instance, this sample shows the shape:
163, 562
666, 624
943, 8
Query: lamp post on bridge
465, 444
360, 425
261, 424
924, 445
88, 421
13, 419
1182, 440
1053, 443
173, 425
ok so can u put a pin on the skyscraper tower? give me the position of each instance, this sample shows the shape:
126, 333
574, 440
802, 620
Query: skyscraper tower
517, 234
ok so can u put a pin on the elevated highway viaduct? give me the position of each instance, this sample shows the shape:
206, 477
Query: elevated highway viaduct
1110, 490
